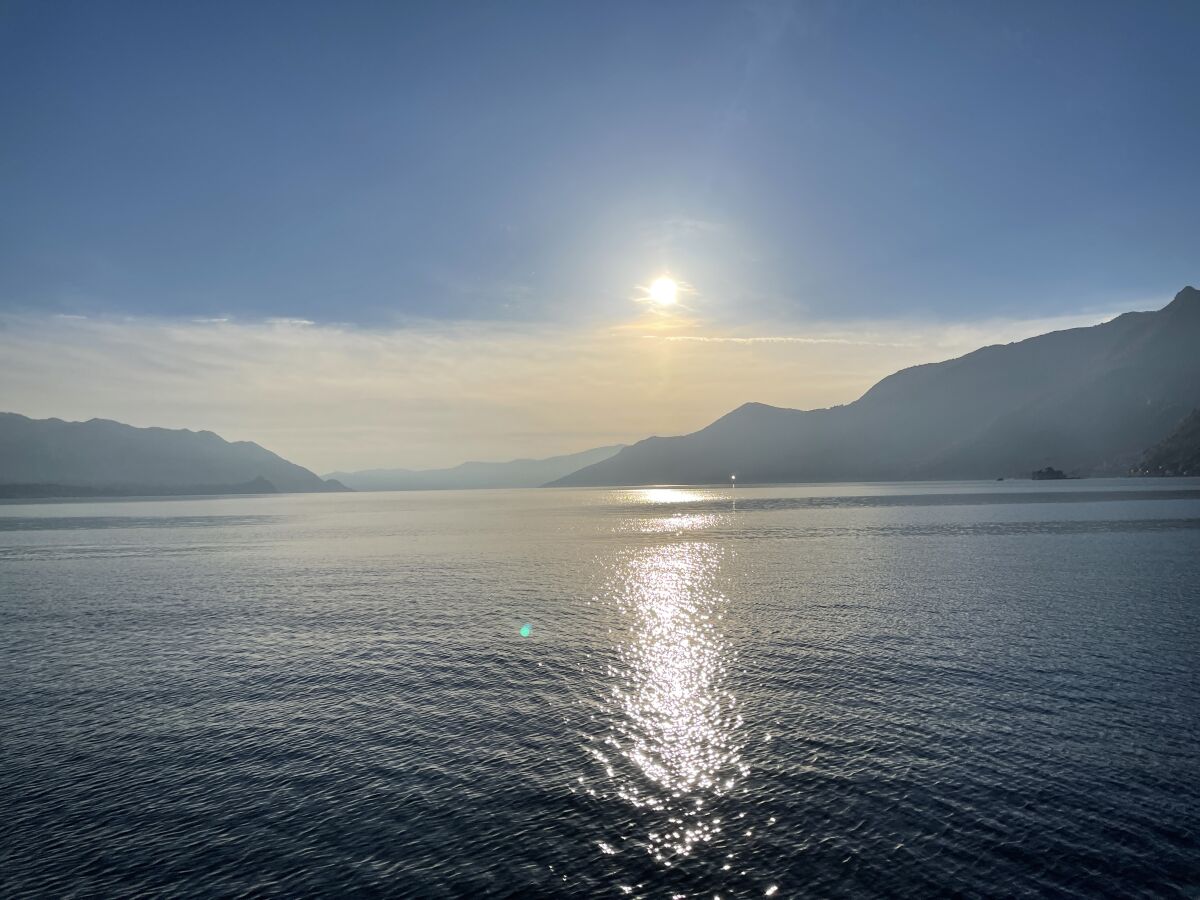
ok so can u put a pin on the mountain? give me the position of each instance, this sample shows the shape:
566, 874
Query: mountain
1178, 454
53, 458
514, 474
1085, 400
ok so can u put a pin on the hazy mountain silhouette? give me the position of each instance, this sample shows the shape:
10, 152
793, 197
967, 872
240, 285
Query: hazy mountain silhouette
1085, 400
50, 457
1178, 454
516, 473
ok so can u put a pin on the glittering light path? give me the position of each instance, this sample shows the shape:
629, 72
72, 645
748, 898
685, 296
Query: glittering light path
675, 724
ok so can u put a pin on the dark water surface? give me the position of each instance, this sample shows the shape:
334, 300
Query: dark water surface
979, 689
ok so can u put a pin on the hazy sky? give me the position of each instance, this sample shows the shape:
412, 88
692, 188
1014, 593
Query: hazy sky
465, 200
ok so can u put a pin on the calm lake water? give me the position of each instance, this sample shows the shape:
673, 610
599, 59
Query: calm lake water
900, 690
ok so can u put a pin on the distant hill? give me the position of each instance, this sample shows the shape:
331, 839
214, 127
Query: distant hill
1178, 454
53, 458
516, 473
1085, 400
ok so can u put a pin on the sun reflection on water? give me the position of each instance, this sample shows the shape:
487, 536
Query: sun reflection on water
663, 495
674, 524
674, 739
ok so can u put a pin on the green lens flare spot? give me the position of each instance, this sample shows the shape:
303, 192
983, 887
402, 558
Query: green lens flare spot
526, 630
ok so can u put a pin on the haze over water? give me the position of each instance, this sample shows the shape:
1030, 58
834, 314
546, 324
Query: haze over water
827, 690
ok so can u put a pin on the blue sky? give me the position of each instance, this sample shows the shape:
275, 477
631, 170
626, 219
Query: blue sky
403, 234
375, 163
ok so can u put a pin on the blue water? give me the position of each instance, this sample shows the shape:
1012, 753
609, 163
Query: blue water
908, 690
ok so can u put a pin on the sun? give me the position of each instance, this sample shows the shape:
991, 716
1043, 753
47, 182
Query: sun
664, 291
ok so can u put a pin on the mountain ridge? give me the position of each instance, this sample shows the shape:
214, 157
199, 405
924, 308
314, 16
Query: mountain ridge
1088, 398
523, 472
101, 457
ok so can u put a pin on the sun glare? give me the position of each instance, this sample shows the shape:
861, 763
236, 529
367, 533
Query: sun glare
663, 291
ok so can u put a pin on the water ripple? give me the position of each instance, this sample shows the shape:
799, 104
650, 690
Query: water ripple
912, 701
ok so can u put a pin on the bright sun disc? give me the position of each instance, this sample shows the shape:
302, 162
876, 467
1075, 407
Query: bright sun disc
663, 291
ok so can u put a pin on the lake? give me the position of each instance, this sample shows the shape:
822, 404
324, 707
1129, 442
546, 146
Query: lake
892, 690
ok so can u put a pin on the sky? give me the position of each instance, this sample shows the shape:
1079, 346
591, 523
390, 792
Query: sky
406, 234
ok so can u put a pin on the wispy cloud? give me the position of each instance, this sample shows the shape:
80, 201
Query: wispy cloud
850, 342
